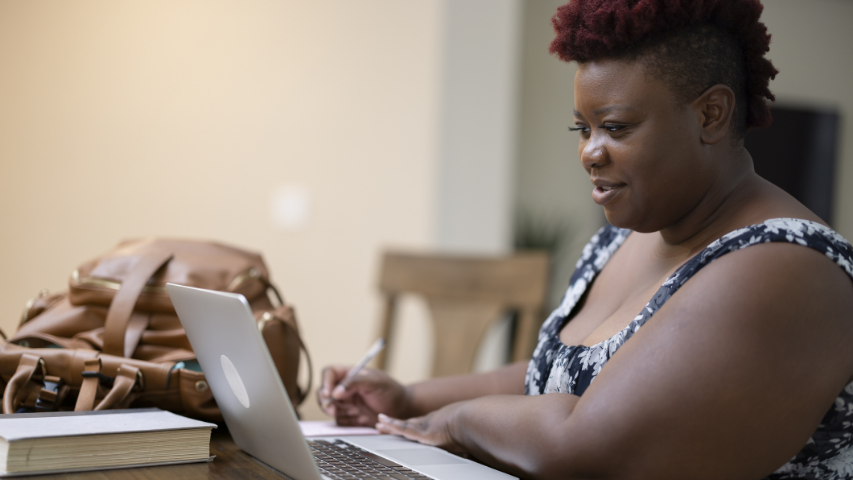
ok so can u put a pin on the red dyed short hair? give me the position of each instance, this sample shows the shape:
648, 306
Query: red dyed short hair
690, 44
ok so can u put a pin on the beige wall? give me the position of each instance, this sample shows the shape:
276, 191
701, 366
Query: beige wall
810, 46
392, 122
125, 119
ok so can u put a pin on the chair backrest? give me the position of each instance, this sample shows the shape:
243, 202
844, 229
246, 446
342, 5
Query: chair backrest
465, 295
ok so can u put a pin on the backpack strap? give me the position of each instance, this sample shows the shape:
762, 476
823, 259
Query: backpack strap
126, 379
27, 366
89, 388
121, 307
285, 315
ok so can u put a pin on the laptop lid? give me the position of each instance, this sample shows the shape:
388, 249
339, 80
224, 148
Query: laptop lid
243, 379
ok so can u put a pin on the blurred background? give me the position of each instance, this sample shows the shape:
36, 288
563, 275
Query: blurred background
322, 133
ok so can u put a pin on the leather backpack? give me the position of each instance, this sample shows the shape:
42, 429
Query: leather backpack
114, 340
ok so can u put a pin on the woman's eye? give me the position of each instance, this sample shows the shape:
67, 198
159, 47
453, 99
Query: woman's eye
613, 128
584, 130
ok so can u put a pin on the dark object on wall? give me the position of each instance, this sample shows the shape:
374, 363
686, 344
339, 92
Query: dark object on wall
797, 153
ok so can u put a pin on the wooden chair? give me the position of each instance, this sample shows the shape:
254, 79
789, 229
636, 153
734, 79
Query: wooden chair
465, 295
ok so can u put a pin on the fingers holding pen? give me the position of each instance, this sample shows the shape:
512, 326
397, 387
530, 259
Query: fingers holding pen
339, 397
357, 398
331, 378
334, 382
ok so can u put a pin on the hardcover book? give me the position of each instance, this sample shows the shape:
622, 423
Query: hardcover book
53, 442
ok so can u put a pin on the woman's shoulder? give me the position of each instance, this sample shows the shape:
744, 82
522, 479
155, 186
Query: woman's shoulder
787, 276
779, 272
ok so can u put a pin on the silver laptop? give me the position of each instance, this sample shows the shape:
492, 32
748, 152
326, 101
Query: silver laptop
261, 419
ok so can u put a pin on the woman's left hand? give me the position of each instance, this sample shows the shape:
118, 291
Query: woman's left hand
432, 429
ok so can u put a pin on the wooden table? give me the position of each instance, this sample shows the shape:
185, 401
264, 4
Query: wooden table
230, 463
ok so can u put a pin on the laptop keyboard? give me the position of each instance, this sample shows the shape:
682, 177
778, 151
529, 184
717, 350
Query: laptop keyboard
342, 460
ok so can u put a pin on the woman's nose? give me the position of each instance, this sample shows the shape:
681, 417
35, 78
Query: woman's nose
593, 154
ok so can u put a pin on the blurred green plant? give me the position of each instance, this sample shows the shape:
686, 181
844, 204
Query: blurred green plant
541, 232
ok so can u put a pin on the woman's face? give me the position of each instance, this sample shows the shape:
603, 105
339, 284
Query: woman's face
641, 149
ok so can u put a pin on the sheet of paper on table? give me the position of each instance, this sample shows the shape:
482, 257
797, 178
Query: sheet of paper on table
328, 428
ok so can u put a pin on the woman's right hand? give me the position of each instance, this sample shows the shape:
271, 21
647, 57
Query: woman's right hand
368, 394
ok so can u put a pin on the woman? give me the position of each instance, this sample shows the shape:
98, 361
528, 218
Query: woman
746, 372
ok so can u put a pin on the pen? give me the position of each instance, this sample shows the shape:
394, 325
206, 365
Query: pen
377, 347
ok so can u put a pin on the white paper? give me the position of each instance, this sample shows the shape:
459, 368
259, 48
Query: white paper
328, 428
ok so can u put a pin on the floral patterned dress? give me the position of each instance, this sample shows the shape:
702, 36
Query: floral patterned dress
556, 367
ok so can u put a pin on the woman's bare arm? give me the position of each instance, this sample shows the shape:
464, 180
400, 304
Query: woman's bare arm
372, 392
436, 393
727, 380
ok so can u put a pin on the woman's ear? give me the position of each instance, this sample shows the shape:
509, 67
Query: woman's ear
715, 109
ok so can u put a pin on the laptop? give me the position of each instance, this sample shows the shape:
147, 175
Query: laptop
241, 374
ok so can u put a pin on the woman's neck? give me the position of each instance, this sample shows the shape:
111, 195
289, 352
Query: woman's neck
718, 211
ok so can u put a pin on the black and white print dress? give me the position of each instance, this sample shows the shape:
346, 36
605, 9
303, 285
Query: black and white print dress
556, 367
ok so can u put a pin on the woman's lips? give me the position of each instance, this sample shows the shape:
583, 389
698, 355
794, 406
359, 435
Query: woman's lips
604, 195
